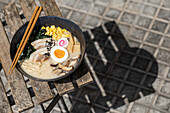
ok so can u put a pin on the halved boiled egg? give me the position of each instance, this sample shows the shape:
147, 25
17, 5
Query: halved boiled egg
59, 54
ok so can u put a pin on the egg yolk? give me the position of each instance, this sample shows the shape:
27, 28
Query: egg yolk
59, 53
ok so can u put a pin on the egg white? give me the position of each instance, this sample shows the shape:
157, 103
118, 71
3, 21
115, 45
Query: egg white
60, 60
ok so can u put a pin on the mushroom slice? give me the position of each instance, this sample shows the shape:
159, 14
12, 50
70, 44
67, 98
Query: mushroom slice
75, 58
54, 65
66, 63
72, 63
64, 67
57, 71
61, 74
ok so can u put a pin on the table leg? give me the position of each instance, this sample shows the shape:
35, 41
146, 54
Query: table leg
53, 103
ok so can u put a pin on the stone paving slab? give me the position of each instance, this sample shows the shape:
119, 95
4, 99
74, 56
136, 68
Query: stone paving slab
128, 52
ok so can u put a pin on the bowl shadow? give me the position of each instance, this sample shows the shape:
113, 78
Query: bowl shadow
121, 73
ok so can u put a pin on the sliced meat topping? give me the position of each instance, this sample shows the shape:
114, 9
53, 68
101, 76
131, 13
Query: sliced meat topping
36, 55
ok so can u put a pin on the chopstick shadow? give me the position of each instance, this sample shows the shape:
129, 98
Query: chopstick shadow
123, 73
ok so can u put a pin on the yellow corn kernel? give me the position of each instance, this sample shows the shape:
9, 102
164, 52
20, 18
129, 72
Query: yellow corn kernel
43, 27
47, 27
58, 38
53, 33
59, 35
50, 30
53, 26
54, 30
54, 37
67, 35
64, 30
63, 35
50, 33
59, 32
58, 28
46, 33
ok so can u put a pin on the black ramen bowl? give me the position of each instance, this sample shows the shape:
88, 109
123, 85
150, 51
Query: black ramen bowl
47, 21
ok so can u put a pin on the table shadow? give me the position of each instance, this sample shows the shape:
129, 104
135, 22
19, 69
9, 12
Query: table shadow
124, 75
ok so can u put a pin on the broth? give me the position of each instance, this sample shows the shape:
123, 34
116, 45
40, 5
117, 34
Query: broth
57, 53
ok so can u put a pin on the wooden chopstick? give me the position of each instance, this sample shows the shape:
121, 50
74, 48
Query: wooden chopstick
27, 34
23, 39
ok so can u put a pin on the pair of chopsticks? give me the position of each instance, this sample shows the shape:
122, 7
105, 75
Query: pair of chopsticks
27, 34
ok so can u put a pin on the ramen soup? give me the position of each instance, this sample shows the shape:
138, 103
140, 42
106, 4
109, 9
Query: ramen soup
51, 52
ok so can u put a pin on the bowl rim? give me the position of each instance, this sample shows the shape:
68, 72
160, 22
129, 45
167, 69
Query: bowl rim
57, 78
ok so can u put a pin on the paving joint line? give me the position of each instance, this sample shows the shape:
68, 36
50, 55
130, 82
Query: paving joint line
153, 101
133, 68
